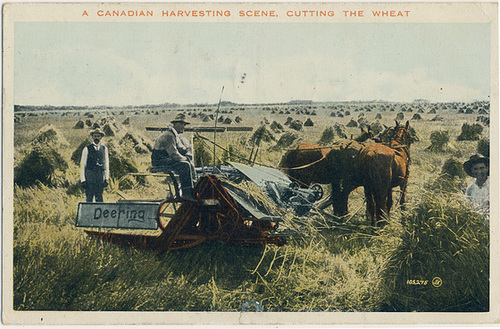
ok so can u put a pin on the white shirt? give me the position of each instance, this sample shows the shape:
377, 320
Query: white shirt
83, 161
479, 197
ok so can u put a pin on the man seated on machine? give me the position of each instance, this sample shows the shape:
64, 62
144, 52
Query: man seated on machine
171, 152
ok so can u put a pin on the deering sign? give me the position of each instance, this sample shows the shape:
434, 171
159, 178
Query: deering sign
126, 215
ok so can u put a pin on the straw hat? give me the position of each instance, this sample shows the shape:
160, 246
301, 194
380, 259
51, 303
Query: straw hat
475, 159
97, 131
180, 117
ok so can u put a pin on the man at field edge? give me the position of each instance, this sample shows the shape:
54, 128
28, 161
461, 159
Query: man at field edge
477, 192
95, 167
172, 152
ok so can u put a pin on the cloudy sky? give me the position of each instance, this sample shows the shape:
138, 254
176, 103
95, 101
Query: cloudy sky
118, 64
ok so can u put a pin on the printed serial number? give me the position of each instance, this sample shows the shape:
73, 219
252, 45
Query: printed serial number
417, 282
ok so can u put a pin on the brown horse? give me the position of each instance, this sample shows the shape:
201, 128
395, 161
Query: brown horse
344, 174
335, 165
306, 164
382, 168
365, 135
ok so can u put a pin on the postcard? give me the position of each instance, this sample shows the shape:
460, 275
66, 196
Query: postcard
247, 163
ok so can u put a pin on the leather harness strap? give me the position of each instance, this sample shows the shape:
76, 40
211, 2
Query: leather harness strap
306, 165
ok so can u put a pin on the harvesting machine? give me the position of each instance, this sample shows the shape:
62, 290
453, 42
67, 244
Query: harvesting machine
223, 211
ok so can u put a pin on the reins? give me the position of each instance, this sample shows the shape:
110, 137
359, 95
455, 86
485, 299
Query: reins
306, 165
313, 163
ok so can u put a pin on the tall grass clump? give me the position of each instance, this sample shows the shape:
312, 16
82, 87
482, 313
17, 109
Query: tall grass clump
42, 160
122, 161
286, 140
51, 135
439, 141
202, 153
327, 136
442, 263
483, 147
451, 178
43, 164
453, 168
470, 132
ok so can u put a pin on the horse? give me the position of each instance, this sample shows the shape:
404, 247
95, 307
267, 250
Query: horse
365, 135
344, 175
306, 164
383, 167
335, 165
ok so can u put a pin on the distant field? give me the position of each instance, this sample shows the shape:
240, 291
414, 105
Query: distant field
325, 266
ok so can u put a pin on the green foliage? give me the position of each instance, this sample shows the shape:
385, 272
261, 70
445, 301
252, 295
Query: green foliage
202, 155
43, 164
50, 135
139, 143
286, 140
470, 132
261, 134
89, 274
79, 125
76, 156
483, 147
327, 136
376, 128
453, 168
451, 178
443, 238
439, 141
121, 163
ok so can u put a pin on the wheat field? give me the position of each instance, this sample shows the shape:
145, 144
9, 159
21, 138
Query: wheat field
325, 265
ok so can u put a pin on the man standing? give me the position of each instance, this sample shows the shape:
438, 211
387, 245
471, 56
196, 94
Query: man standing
172, 152
478, 192
95, 167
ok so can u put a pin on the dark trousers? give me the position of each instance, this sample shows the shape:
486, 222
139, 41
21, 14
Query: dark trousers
185, 170
95, 185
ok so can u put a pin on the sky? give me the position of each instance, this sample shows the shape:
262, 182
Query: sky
119, 64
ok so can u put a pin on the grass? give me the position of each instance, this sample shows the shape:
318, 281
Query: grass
442, 237
325, 266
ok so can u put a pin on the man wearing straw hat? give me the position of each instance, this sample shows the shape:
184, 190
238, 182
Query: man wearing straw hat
478, 192
172, 152
95, 167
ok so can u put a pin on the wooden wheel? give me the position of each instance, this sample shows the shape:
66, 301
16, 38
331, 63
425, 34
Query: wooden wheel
318, 189
166, 211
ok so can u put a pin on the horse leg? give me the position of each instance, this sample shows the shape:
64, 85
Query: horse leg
383, 202
389, 202
403, 195
370, 205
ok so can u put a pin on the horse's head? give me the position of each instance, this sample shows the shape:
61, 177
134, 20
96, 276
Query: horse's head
365, 134
386, 135
401, 135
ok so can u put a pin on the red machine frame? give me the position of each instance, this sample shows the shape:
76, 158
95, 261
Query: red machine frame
215, 216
